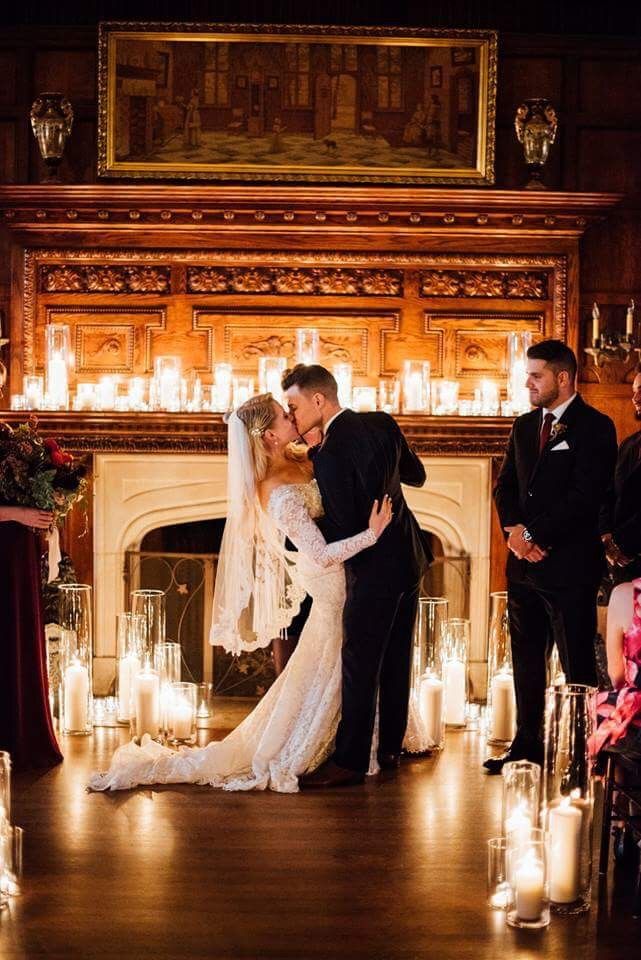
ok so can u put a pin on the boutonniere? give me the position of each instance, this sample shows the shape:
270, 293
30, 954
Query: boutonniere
557, 431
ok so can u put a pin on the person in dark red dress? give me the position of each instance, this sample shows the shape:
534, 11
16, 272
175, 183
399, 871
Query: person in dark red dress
26, 729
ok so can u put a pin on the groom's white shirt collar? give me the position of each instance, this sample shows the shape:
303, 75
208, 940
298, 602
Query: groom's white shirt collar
331, 420
557, 412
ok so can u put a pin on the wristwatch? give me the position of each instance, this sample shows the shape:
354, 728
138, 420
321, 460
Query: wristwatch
527, 536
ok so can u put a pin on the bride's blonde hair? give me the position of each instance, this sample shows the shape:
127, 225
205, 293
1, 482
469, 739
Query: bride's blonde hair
258, 414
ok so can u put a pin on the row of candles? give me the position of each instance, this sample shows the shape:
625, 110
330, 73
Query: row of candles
150, 696
415, 391
11, 838
543, 858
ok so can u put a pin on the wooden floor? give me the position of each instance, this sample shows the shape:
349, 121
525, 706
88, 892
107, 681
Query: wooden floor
394, 869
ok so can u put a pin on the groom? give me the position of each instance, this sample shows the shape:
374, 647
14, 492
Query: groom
362, 457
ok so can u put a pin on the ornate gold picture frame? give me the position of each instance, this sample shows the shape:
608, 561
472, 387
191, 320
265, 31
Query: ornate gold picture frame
296, 103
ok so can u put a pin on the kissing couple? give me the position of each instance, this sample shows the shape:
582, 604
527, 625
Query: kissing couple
359, 554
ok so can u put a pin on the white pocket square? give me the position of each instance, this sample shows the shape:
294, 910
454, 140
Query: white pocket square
563, 445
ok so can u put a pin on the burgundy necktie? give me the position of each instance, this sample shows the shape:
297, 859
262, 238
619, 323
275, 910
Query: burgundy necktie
546, 430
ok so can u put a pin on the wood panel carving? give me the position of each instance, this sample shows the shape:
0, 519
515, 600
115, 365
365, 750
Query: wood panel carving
476, 343
354, 282
485, 283
105, 278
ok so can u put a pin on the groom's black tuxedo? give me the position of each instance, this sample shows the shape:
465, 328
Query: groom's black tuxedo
364, 456
557, 495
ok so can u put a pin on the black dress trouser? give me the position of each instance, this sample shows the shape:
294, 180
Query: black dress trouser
377, 646
539, 618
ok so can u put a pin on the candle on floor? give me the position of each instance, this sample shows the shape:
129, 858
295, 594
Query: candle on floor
147, 699
76, 691
431, 707
503, 706
565, 852
529, 883
128, 669
181, 719
454, 677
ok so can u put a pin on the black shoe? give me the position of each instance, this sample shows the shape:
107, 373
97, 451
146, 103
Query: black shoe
534, 753
389, 761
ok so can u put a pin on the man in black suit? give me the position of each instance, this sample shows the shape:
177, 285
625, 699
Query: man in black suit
362, 457
620, 521
556, 471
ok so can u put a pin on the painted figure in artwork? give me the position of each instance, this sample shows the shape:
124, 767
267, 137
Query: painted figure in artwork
414, 132
192, 121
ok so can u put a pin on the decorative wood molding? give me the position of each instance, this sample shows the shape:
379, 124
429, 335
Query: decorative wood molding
484, 283
207, 433
257, 209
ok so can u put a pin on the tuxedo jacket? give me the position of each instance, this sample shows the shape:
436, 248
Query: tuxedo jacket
364, 456
621, 511
558, 494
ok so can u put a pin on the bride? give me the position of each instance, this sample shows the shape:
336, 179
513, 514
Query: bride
259, 588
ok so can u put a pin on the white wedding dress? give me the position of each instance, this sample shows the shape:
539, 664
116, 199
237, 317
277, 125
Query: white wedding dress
292, 729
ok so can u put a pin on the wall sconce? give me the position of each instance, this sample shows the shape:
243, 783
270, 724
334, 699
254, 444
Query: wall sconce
51, 121
611, 350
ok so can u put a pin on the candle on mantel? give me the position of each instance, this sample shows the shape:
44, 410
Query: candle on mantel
343, 376
431, 707
76, 692
629, 319
596, 321
529, 884
57, 382
147, 700
565, 851
221, 398
503, 706
364, 399
454, 677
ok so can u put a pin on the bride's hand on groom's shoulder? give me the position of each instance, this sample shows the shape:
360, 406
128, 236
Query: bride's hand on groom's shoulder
381, 516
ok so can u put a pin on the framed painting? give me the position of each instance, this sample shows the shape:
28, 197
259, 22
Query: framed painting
296, 104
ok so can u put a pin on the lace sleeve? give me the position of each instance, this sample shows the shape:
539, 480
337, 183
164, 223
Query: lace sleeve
288, 510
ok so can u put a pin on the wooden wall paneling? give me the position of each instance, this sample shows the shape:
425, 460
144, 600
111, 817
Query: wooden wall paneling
8, 151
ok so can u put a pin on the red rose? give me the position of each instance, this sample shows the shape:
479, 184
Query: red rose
58, 458
50, 444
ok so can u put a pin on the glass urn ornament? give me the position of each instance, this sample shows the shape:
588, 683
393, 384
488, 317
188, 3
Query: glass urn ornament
536, 124
51, 120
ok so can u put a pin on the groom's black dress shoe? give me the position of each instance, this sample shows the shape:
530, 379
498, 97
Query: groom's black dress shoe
389, 761
532, 752
329, 774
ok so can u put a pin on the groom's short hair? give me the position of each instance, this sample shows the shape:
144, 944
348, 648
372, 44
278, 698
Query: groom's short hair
556, 354
312, 378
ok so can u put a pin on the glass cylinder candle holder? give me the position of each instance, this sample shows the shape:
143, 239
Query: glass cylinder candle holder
221, 391
58, 364
151, 604
137, 388
416, 386
518, 396
5, 788
389, 395
181, 713
205, 708
85, 398
270, 375
527, 871
499, 894
167, 664
568, 795
501, 702
18, 401
167, 377
11, 839
132, 629
489, 397
555, 674
364, 399
147, 715
243, 389
33, 391
343, 374
455, 644
521, 797
444, 397
106, 393
307, 345
426, 650
77, 656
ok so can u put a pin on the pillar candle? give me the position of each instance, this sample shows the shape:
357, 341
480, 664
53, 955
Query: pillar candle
503, 706
431, 707
529, 888
128, 669
629, 319
147, 697
454, 676
565, 852
76, 686
596, 317
180, 721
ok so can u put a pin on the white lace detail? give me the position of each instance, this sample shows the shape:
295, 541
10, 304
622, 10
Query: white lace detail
292, 729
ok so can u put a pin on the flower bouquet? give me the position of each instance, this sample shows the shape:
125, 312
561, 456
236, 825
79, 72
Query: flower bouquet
36, 472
